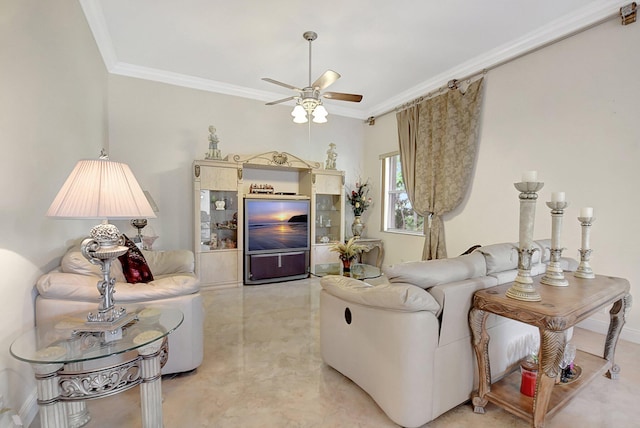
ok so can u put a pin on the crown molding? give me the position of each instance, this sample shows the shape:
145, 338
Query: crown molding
557, 30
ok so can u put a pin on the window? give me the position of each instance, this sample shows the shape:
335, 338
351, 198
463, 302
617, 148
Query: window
398, 213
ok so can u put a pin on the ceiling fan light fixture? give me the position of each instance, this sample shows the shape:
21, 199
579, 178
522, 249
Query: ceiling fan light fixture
308, 100
299, 114
319, 119
320, 114
298, 110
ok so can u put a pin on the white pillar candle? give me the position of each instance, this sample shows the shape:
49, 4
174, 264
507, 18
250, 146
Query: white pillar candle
530, 176
557, 197
586, 212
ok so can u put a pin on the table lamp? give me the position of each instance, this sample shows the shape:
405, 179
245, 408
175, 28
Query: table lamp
102, 189
141, 223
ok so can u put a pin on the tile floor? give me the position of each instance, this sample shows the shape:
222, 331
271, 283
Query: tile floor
262, 368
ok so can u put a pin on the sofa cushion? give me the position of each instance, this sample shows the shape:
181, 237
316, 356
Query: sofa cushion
74, 262
500, 257
169, 262
401, 297
545, 249
134, 265
427, 273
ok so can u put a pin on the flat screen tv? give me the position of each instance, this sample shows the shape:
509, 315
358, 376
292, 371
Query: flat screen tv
276, 225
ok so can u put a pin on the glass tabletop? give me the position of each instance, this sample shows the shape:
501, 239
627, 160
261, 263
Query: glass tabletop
357, 271
61, 340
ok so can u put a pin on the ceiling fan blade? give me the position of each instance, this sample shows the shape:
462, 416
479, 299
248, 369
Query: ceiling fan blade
286, 85
280, 101
325, 80
343, 97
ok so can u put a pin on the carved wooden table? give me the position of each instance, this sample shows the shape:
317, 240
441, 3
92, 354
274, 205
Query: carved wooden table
560, 309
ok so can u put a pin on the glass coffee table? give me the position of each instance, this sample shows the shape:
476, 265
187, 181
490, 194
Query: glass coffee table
72, 366
358, 270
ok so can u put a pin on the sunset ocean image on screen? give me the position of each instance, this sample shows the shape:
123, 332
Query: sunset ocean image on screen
277, 225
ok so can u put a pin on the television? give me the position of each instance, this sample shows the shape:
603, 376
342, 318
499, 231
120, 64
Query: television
276, 225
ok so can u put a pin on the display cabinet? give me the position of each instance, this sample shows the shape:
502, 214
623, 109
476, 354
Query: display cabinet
217, 233
328, 226
220, 190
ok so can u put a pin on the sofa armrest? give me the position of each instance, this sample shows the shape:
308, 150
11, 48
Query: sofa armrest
396, 297
455, 299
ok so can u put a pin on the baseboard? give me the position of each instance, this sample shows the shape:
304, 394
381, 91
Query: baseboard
29, 409
602, 327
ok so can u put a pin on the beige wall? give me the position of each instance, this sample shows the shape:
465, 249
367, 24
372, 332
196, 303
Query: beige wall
52, 113
569, 111
159, 130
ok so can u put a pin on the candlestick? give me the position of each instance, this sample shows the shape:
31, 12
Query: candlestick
554, 274
584, 269
522, 288
586, 212
557, 197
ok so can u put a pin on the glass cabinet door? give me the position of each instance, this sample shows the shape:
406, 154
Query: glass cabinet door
327, 218
218, 220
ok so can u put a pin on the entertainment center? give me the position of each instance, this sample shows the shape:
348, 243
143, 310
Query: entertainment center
264, 218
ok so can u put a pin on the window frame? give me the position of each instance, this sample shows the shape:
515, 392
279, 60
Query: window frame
387, 189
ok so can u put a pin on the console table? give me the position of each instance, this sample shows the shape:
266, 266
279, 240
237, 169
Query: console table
72, 366
560, 309
374, 247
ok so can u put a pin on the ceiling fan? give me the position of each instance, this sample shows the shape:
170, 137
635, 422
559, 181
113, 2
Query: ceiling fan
308, 99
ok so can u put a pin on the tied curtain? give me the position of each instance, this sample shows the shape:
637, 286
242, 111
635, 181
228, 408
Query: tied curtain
438, 140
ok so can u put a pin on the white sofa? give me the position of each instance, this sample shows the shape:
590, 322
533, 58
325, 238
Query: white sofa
407, 342
71, 287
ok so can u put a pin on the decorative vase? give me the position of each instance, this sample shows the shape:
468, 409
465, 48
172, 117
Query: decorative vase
346, 263
357, 227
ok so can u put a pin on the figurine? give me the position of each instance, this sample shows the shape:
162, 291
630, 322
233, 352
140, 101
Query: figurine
214, 152
331, 157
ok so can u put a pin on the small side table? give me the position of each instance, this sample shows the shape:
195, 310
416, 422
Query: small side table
374, 254
71, 367
560, 309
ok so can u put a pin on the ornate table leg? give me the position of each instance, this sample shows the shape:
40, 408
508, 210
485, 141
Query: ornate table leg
77, 411
477, 322
151, 386
52, 411
552, 345
618, 315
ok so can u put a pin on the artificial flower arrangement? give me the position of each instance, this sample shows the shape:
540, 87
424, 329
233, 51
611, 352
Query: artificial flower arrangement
358, 198
348, 250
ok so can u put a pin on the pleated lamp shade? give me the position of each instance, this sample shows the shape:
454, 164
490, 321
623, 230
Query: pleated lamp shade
101, 189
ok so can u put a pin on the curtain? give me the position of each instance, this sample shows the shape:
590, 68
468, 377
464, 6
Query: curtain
438, 140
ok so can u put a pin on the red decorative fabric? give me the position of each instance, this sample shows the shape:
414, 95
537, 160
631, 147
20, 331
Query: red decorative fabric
134, 265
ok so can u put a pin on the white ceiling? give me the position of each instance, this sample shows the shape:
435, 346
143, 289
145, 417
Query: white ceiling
389, 51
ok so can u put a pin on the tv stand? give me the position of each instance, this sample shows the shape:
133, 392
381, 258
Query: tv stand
275, 267
219, 189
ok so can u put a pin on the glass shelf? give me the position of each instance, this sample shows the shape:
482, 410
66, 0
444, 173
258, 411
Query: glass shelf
327, 218
218, 220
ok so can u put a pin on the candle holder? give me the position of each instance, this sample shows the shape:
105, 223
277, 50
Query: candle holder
584, 269
523, 288
554, 274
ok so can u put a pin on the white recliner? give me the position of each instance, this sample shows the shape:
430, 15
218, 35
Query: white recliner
71, 287
407, 342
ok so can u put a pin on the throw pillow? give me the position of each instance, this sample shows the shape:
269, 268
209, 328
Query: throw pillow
134, 265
